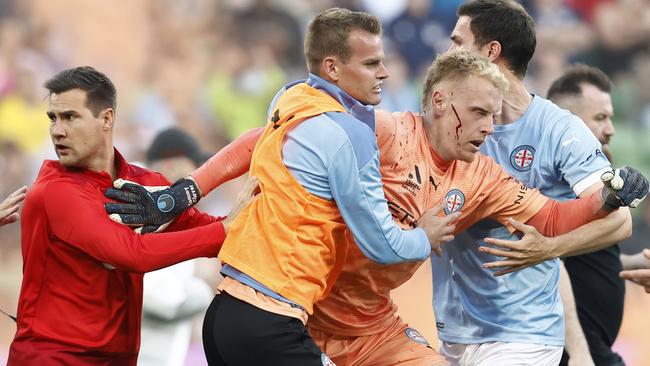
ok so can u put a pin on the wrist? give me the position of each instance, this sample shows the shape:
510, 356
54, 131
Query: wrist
605, 202
196, 184
556, 250
188, 191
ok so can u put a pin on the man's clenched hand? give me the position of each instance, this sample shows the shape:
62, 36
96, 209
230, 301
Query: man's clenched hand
623, 187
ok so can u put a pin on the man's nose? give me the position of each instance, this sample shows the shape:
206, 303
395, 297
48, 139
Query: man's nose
383, 72
57, 129
609, 129
488, 127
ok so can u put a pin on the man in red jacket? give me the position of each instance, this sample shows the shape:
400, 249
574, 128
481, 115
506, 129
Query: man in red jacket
81, 296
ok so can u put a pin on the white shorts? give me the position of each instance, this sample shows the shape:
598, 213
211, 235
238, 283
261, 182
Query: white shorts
501, 353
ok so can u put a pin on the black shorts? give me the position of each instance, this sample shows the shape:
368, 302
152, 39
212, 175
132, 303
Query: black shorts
238, 333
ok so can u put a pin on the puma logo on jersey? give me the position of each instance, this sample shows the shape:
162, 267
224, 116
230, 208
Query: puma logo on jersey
433, 183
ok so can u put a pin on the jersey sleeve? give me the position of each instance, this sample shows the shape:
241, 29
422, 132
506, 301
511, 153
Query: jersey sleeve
577, 154
386, 131
78, 218
393, 130
228, 163
505, 197
356, 187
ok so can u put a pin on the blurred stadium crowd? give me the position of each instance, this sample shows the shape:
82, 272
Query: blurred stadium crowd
210, 67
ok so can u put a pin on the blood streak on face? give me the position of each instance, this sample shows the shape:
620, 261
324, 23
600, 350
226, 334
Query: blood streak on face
460, 123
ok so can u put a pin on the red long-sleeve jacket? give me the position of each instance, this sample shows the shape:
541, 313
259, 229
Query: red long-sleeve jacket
81, 296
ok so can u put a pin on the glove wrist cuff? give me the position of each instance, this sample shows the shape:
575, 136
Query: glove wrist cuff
188, 191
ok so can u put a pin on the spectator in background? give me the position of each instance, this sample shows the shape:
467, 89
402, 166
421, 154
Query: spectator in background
417, 36
172, 296
21, 114
399, 92
623, 28
9, 207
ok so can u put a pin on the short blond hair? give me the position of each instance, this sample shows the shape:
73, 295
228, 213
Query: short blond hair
328, 33
458, 65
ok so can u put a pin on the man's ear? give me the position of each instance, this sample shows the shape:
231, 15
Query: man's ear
330, 69
493, 50
108, 118
438, 101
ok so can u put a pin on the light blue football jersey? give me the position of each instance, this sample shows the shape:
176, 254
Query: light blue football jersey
547, 148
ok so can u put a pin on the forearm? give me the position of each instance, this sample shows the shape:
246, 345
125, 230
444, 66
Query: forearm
557, 218
575, 342
230, 162
132, 252
594, 236
360, 197
87, 228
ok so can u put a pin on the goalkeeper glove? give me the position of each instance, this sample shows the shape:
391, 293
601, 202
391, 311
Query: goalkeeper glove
152, 208
623, 187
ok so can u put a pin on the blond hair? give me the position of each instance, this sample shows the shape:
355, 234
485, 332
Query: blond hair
458, 65
327, 34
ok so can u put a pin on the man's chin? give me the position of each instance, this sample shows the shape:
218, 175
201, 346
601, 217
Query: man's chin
469, 157
67, 162
372, 100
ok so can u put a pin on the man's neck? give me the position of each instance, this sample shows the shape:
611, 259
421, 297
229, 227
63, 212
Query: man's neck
106, 163
516, 100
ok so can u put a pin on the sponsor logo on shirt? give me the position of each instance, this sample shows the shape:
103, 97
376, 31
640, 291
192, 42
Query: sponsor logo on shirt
591, 156
455, 200
400, 214
521, 158
415, 336
414, 181
521, 193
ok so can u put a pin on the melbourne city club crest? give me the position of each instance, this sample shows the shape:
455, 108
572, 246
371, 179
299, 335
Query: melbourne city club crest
454, 201
522, 157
